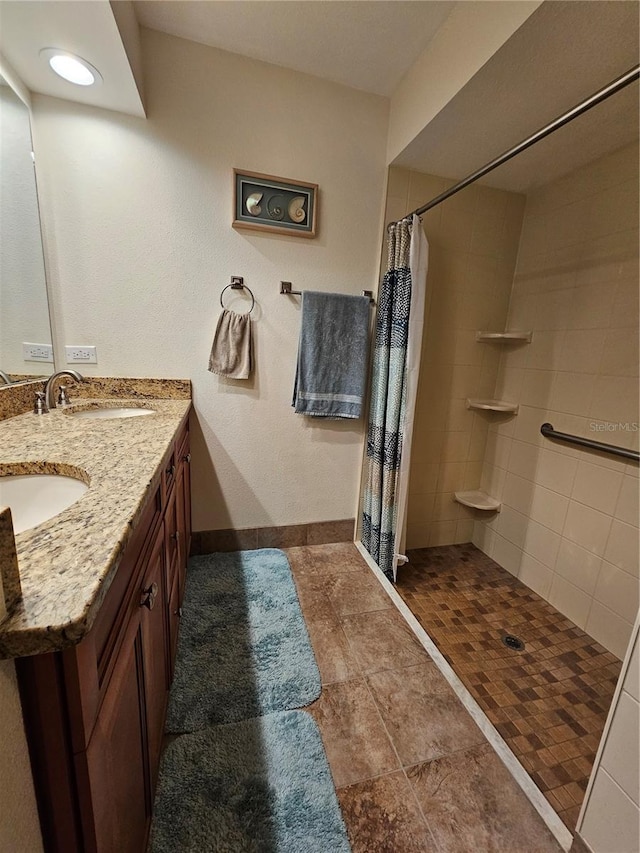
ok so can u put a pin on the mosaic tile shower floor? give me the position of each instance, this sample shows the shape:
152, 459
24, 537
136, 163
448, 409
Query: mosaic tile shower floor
550, 701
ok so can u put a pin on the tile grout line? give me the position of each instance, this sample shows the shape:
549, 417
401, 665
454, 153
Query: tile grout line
401, 766
339, 621
373, 778
378, 671
361, 676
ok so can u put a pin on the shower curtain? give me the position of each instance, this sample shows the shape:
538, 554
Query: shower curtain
396, 364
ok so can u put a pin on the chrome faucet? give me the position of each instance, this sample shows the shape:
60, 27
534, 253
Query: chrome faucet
49, 388
5, 378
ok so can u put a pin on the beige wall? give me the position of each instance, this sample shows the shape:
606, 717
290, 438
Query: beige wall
569, 522
473, 240
19, 824
138, 216
611, 813
468, 38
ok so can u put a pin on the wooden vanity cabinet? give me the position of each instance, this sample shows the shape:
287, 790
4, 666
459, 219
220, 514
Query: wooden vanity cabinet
95, 713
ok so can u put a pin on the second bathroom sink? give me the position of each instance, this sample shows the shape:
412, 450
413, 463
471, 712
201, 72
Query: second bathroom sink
116, 412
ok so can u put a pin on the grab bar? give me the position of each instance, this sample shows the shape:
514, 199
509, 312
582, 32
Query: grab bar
615, 450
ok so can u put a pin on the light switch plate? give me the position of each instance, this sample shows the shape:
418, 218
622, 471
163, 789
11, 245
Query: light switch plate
81, 355
37, 352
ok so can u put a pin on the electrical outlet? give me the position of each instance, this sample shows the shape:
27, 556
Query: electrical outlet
37, 352
82, 355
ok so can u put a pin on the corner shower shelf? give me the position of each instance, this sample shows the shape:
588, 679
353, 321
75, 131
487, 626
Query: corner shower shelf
493, 405
504, 337
478, 500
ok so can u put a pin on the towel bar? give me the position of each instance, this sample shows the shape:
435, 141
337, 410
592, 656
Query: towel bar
286, 288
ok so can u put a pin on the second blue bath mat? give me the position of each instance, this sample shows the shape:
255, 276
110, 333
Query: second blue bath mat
258, 786
244, 650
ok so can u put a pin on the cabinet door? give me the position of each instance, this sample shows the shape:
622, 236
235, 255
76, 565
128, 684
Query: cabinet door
186, 464
112, 773
118, 772
183, 498
182, 537
175, 612
153, 607
172, 533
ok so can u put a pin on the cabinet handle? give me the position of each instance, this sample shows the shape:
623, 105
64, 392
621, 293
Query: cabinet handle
178, 612
187, 458
171, 470
148, 597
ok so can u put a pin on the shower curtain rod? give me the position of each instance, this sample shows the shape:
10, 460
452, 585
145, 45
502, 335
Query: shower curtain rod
565, 118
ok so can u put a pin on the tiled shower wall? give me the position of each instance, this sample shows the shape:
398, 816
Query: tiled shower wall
473, 242
615, 783
569, 521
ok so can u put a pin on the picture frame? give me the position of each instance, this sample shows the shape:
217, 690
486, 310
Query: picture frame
269, 203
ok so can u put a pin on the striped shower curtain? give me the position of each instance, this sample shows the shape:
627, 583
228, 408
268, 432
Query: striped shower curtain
394, 383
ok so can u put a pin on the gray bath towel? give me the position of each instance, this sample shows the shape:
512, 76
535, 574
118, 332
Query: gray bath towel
332, 355
231, 350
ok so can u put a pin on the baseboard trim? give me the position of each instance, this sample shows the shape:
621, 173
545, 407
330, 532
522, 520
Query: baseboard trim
286, 536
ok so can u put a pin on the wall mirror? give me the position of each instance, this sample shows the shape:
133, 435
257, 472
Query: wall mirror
24, 308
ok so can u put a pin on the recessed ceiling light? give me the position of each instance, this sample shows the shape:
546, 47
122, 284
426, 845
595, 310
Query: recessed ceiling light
71, 67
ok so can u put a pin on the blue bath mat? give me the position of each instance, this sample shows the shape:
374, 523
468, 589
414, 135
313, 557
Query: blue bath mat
244, 650
258, 786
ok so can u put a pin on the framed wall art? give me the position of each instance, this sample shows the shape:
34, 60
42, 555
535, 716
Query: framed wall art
268, 203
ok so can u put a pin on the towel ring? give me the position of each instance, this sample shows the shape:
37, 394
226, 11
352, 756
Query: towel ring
237, 286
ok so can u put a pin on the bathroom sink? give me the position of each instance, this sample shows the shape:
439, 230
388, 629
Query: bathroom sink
122, 412
35, 498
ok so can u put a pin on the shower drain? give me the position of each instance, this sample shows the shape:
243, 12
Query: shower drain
513, 642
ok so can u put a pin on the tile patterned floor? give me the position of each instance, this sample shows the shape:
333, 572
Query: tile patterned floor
550, 701
413, 772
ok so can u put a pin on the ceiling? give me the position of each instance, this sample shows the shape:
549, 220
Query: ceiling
565, 51
366, 45
561, 55
87, 29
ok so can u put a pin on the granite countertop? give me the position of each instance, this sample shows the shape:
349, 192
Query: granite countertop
67, 563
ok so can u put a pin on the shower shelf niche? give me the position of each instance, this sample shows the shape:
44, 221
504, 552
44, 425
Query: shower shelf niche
493, 406
504, 337
478, 500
